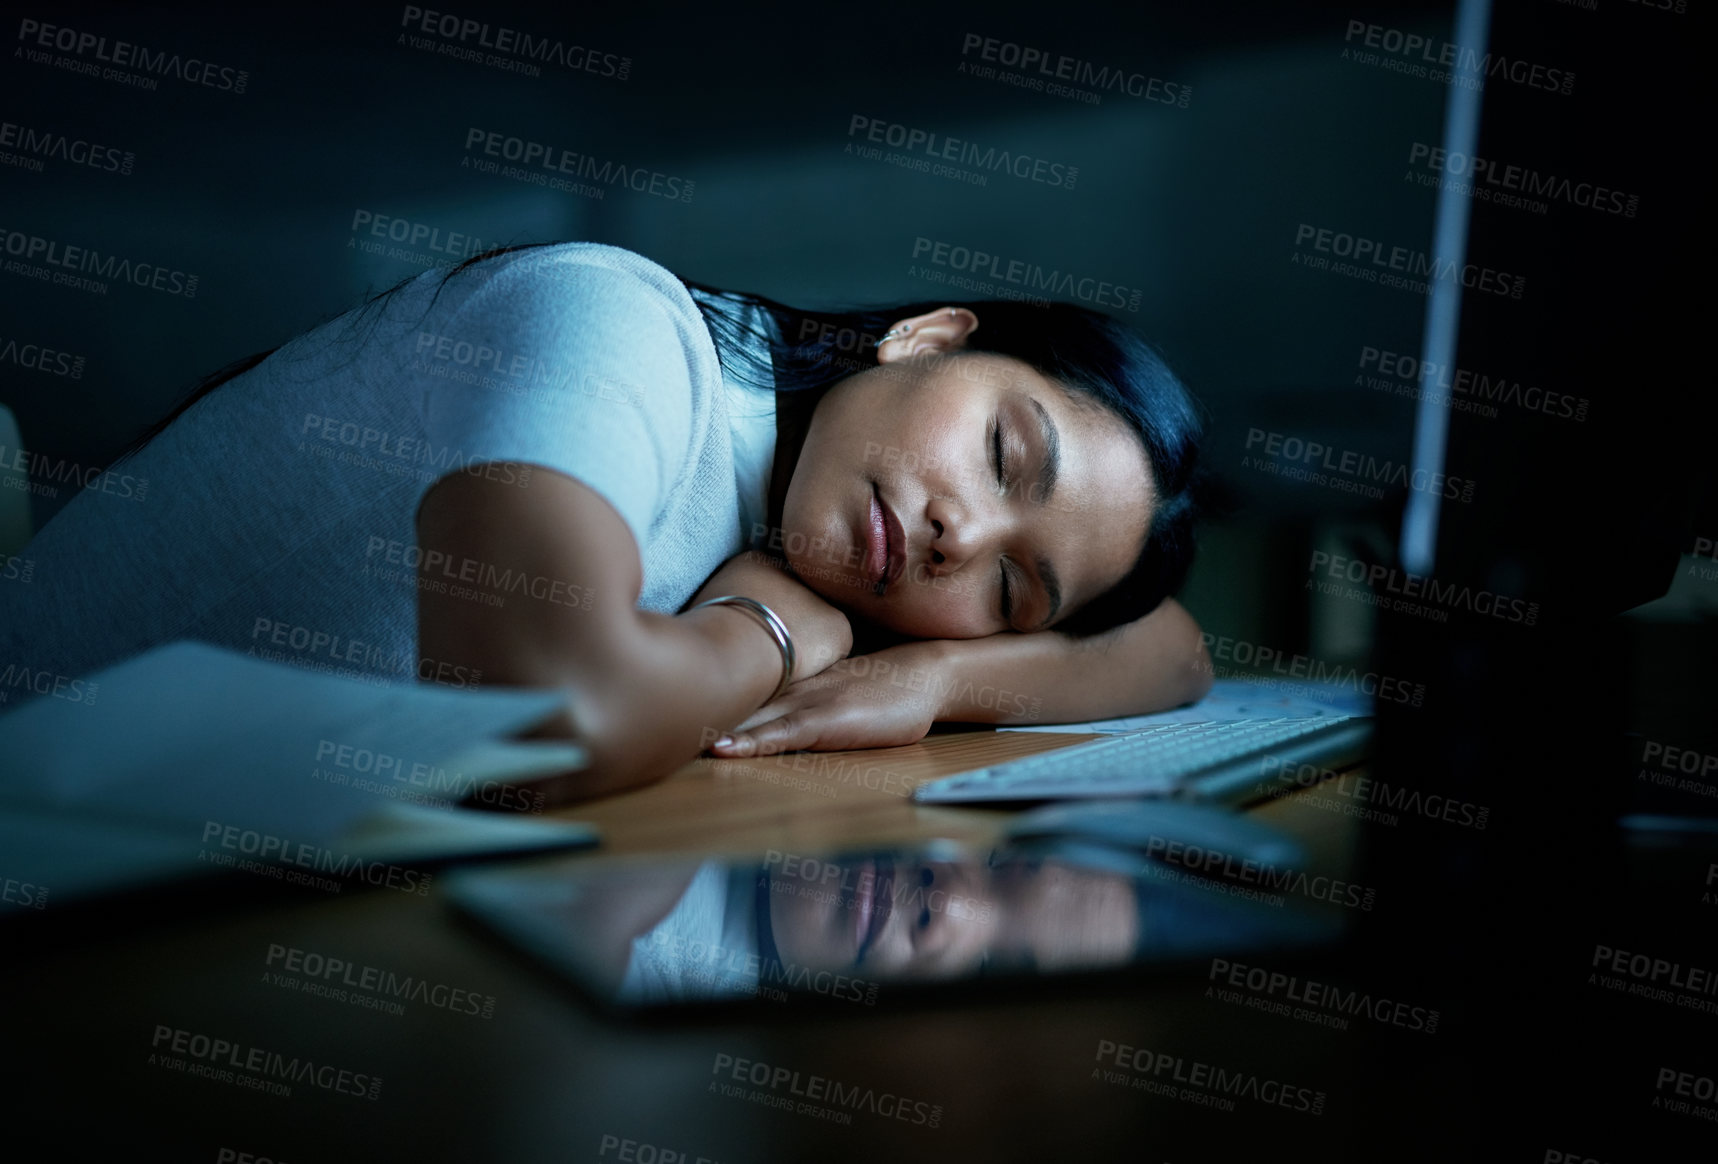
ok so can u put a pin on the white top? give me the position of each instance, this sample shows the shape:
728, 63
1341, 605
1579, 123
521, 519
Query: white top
277, 515
707, 946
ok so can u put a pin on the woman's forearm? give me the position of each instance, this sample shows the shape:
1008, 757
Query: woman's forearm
1153, 664
644, 691
821, 633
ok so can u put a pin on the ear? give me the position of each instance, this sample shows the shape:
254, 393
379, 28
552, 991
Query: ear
939, 331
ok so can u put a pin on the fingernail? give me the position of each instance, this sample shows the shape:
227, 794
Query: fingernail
723, 742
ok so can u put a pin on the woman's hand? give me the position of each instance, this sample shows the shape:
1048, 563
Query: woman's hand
821, 632
877, 701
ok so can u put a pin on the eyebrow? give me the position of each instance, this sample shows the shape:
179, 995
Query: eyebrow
1052, 453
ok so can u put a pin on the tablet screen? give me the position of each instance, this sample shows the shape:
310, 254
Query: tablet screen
866, 925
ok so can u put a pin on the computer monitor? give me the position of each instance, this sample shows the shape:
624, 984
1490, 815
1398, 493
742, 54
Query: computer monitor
1566, 406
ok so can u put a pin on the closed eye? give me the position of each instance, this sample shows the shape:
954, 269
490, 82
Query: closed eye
999, 454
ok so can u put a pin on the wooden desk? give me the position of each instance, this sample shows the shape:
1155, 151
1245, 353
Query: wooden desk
546, 1079
804, 802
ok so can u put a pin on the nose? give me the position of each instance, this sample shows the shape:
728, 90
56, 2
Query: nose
959, 533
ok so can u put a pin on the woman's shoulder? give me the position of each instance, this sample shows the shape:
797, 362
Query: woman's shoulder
601, 268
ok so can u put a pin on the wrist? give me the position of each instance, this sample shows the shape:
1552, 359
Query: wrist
930, 666
737, 651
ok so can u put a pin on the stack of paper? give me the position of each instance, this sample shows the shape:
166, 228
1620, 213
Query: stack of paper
183, 749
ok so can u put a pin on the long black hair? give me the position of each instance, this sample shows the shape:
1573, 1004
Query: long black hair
1089, 354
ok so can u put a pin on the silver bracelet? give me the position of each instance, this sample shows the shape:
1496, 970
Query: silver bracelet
772, 623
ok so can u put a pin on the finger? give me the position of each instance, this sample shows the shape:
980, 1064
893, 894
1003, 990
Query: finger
787, 733
765, 714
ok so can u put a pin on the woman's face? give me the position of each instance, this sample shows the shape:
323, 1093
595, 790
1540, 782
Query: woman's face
955, 494
899, 916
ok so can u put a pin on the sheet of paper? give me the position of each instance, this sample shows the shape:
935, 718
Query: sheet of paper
189, 733
1233, 699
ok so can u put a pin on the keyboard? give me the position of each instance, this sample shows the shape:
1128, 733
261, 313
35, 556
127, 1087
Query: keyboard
1229, 761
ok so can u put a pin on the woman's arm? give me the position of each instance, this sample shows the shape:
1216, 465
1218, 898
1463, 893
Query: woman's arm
1152, 664
893, 696
644, 690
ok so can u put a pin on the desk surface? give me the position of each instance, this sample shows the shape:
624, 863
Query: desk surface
805, 801
543, 1078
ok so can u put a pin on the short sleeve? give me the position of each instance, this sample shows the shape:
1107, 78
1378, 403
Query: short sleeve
579, 358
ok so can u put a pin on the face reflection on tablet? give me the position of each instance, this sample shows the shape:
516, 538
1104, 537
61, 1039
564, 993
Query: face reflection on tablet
900, 916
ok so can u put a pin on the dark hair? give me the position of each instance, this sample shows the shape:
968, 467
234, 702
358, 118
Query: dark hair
1090, 354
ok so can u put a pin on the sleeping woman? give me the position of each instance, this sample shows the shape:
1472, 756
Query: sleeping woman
718, 524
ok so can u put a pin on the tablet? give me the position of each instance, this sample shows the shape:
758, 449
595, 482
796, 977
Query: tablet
869, 927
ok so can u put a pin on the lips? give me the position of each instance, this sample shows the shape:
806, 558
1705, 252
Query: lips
886, 543
874, 901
